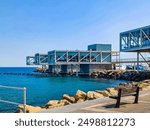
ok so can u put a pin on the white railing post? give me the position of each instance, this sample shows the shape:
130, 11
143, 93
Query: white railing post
16, 103
24, 90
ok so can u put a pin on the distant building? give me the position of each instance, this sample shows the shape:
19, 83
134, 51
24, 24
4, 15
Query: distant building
100, 47
98, 56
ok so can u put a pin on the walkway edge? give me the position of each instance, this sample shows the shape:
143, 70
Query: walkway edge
77, 106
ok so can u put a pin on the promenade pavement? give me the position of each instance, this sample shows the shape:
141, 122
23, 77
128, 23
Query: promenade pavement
106, 105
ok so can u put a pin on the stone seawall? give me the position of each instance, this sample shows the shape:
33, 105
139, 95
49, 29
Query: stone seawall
130, 75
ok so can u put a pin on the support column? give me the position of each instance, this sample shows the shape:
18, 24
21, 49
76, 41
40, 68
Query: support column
138, 54
50, 68
119, 62
54, 69
77, 70
71, 67
114, 66
57, 69
134, 64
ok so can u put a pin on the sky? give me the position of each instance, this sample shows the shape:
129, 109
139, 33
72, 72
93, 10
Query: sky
31, 26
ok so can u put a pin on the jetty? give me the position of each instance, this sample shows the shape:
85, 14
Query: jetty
25, 74
79, 62
97, 56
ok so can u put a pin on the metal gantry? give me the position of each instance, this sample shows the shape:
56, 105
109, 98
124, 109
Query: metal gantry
79, 57
30, 60
74, 61
41, 59
38, 59
98, 56
72, 57
135, 40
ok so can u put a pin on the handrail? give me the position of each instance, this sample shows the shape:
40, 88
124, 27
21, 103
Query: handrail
11, 87
132, 59
15, 103
9, 102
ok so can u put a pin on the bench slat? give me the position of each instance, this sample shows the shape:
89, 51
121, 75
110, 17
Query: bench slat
123, 95
114, 97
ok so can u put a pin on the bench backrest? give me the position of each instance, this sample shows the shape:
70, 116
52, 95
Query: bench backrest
127, 90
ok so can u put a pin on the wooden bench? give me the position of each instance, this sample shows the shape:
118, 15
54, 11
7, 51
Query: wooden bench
132, 92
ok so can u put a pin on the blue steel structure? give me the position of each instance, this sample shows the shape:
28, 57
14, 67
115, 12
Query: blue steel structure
38, 59
98, 56
100, 47
136, 40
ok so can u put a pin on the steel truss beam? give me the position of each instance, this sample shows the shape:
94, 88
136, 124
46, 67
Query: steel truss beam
30, 60
135, 39
78, 57
41, 59
72, 57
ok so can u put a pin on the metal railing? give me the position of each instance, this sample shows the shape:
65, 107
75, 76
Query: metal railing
132, 59
16, 103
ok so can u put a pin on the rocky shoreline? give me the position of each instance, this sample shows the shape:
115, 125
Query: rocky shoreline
141, 79
129, 75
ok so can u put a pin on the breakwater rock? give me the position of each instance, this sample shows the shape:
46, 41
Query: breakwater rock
130, 75
40, 70
81, 96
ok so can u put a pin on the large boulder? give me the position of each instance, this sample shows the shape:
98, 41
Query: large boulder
146, 81
134, 83
94, 75
104, 93
93, 95
80, 95
52, 102
19, 111
69, 98
97, 95
30, 109
56, 103
112, 91
64, 102
123, 84
80, 100
90, 95
144, 86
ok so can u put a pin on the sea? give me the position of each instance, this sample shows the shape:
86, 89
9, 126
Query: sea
42, 89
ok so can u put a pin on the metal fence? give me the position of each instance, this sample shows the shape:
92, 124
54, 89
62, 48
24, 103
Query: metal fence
132, 59
15, 103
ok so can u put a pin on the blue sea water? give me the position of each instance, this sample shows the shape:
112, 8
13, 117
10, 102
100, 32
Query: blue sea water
42, 89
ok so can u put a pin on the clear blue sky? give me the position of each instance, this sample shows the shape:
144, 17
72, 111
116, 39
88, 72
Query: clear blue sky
31, 26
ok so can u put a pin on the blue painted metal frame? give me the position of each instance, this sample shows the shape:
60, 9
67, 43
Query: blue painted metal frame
135, 40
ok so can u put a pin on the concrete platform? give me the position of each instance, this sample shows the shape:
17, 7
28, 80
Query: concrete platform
106, 105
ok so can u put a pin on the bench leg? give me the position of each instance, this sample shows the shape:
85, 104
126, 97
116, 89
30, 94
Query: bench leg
118, 102
118, 99
136, 96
